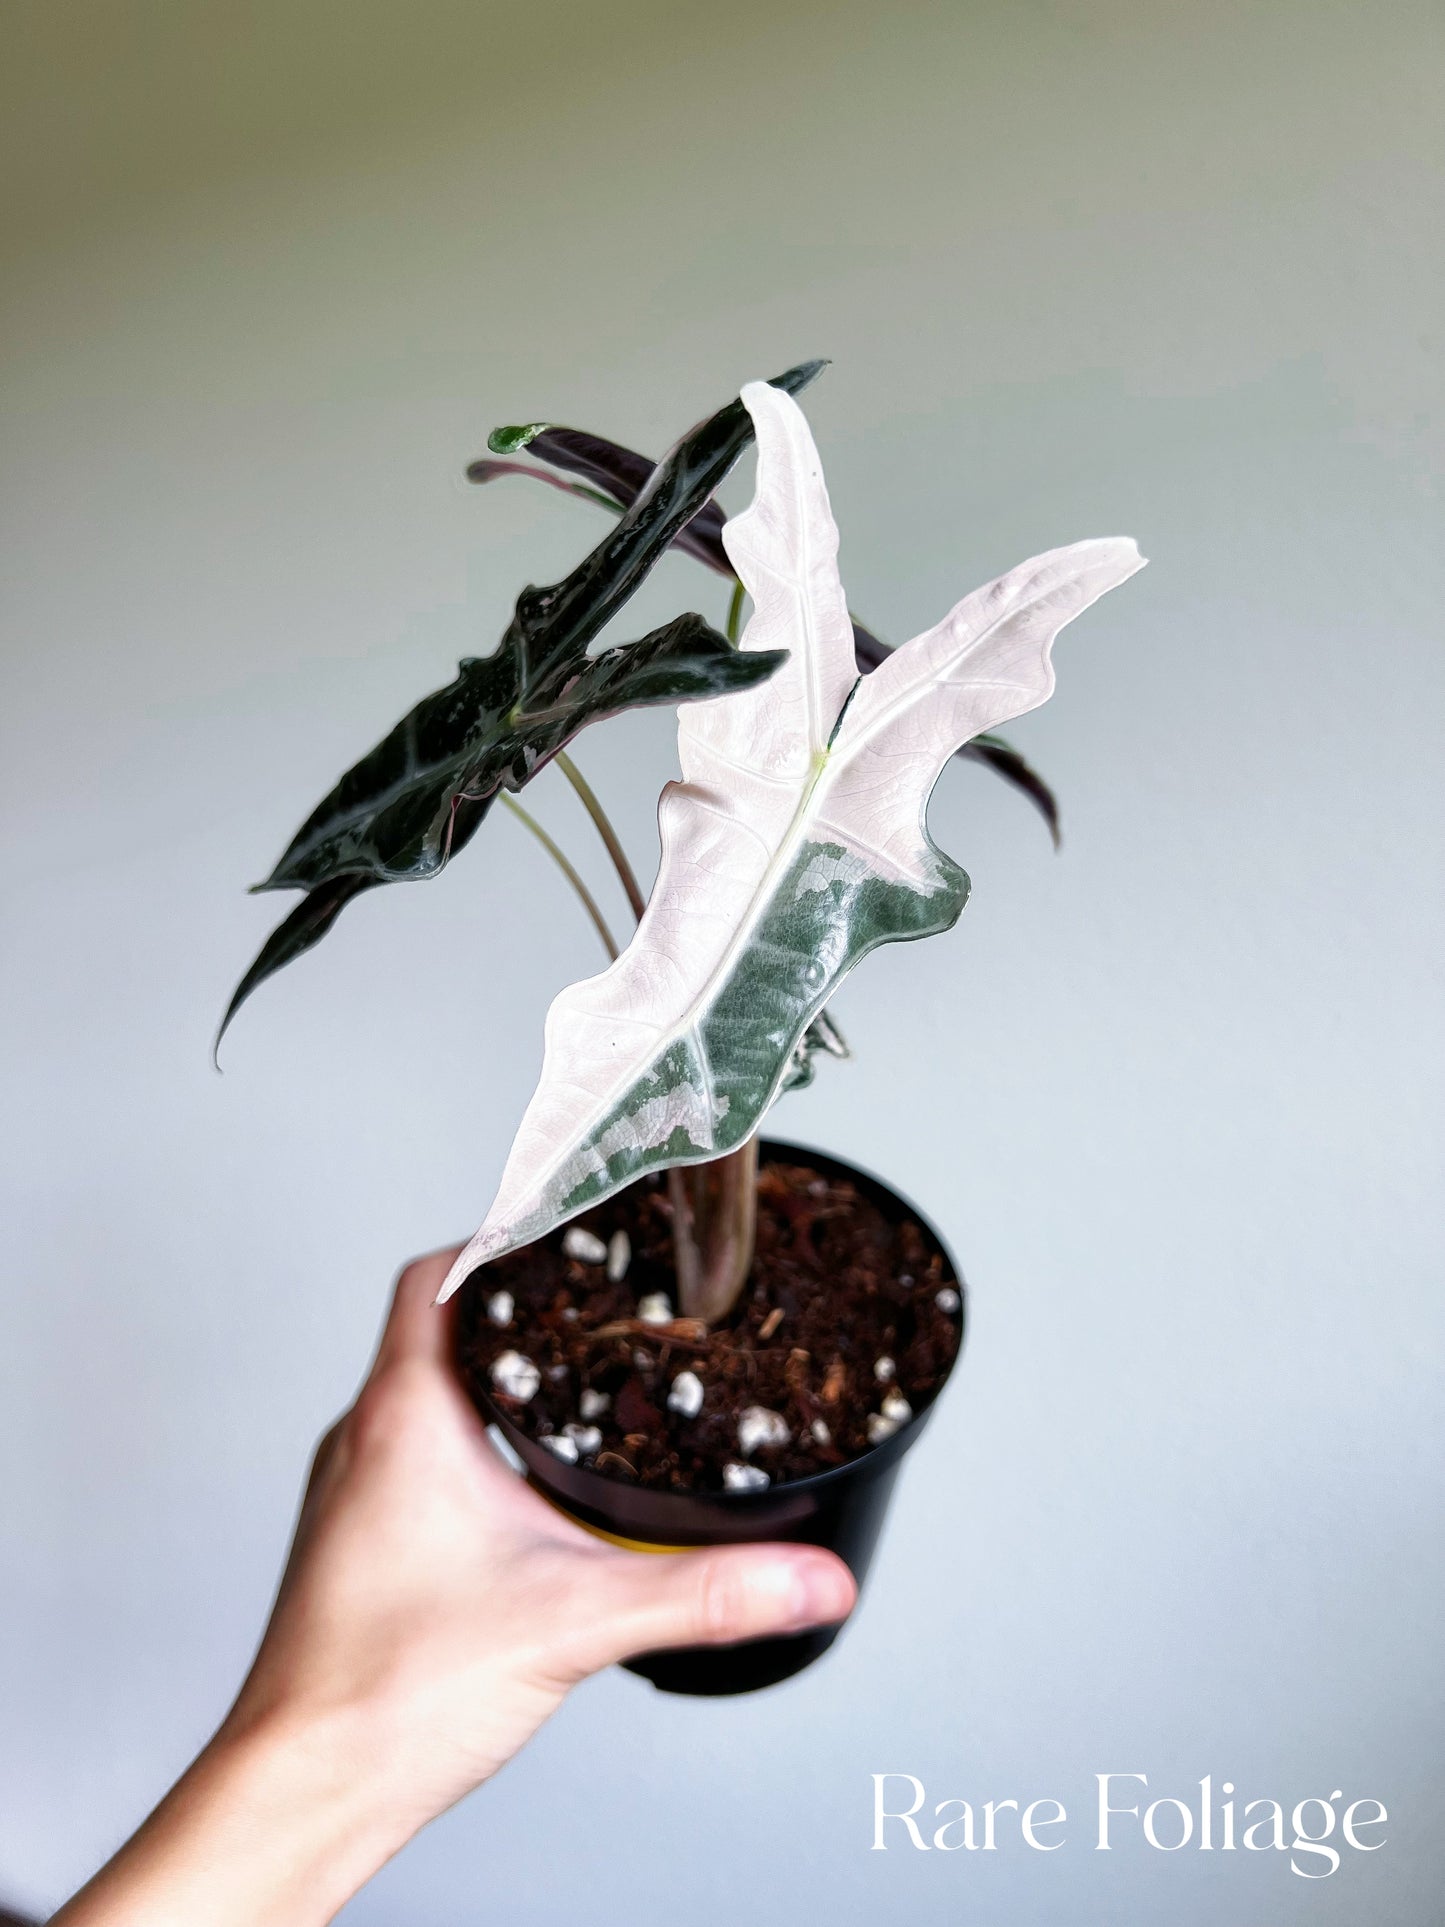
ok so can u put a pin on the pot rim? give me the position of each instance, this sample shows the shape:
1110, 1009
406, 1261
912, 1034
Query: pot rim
741, 1504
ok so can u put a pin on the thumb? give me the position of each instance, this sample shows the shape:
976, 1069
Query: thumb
714, 1597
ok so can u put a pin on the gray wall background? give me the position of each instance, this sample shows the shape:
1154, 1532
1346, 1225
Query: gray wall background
1174, 1095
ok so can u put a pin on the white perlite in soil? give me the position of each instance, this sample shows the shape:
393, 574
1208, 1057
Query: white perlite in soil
585, 1246
758, 1428
744, 1478
593, 1404
619, 1257
561, 1447
515, 1376
500, 1307
655, 1308
884, 1423
685, 1395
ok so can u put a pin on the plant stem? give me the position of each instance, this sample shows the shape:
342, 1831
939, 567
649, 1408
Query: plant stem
589, 902
715, 1205
735, 612
605, 830
714, 1224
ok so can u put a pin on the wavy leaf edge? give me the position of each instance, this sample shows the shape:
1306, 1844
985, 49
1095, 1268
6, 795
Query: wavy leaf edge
777, 875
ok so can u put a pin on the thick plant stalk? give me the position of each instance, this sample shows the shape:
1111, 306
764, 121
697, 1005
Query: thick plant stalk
714, 1223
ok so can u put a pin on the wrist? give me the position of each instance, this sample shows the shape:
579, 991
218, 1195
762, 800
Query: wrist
278, 1821
306, 1787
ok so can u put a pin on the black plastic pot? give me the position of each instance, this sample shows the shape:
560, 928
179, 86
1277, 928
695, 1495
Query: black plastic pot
842, 1509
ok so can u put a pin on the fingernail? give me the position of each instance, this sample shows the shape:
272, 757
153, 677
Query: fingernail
822, 1593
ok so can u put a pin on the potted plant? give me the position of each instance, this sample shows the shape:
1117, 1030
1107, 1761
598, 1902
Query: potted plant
685, 1334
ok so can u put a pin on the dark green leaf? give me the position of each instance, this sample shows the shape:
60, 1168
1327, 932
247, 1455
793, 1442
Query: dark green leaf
683, 661
617, 476
388, 816
408, 806
307, 924
622, 473
391, 818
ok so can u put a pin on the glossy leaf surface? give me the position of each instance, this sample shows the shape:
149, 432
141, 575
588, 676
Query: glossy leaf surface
391, 818
411, 803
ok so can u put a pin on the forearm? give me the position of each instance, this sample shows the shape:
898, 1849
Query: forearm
271, 1827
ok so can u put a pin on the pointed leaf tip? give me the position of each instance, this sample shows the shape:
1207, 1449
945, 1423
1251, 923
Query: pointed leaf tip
1001, 757
800, 376
306, 925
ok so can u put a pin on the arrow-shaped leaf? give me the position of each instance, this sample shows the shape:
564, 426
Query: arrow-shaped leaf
504, 714
795, 844
411, 803
612, 478
493, 727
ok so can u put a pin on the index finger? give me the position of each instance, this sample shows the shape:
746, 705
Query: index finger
416, 1326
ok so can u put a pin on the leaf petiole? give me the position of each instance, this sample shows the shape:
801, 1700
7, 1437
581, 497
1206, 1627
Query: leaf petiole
559, 857
594, 809
735, 613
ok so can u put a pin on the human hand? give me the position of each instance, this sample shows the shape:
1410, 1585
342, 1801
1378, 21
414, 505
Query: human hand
433, 1612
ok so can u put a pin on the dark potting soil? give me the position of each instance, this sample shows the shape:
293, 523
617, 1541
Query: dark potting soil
835, 1288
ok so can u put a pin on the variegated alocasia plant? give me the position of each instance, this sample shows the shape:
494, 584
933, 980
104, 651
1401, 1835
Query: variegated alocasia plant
795, 843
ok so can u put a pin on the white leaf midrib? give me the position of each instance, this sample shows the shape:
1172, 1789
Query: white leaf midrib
799, 581
829, 766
